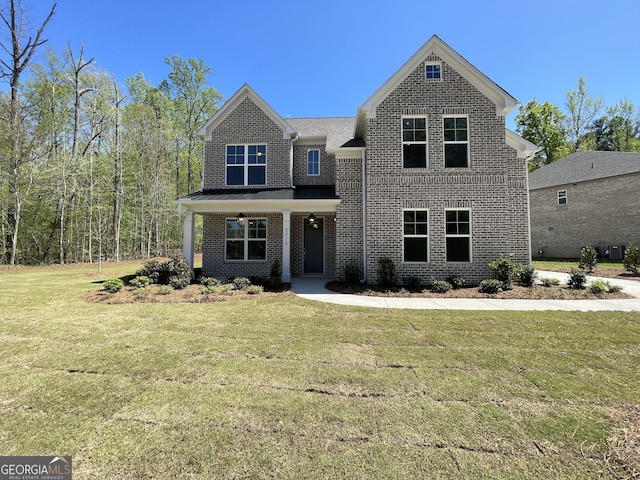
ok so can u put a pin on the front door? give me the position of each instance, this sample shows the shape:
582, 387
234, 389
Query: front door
314, 247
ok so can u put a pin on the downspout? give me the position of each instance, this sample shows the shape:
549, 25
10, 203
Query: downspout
526, 166
364, 218
291, 160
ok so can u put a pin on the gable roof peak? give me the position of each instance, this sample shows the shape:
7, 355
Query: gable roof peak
244, 92
435, 45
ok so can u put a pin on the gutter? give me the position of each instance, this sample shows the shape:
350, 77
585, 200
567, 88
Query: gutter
364, 218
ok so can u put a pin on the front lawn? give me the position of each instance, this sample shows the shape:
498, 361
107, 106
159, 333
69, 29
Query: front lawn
287, 388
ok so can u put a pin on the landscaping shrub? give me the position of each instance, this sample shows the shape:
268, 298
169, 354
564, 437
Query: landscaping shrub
549, 281
226, 290
241, 283
254, 289
165, 290
599, 286
528, 275
577, 279
588, 259
413, 282
275, 274
208, 289
209, 281
440, 286
141, 281
351, 272
387, 275
456, 281
113, 285
631, 260
505, 271
491, 285
175, 272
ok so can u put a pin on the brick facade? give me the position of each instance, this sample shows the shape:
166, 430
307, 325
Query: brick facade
492, 187
598, 213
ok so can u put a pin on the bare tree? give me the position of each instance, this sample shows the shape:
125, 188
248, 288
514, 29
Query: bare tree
20, 53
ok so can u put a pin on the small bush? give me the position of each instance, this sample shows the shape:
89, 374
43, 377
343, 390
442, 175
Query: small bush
413, 282
226, 290
440, 286
588, 259
241, 283
254, 289
615, 288
549, 281
351, 272
577, 279
113, 285
491, 285
165, 290
141, 281
505, 271
175, 272
528, 276
598, 287
631, 260
209, 281
179, 282
275, 274
456, 281
208, 289
387, 275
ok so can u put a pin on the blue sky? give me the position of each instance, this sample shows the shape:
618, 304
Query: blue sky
324, 58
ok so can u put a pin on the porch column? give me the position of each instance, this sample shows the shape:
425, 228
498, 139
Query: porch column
286, 246
187, 238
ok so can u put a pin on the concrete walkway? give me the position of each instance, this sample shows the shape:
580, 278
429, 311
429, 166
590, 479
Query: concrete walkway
314, 289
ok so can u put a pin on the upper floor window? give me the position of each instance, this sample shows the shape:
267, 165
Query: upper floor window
416, 236
313, 162
456, 142
562, 197
432, 71
458, 235
246, 239
246, 164
414, 142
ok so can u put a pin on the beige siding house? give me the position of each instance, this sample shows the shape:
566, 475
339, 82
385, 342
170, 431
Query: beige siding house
425, 174
587, 198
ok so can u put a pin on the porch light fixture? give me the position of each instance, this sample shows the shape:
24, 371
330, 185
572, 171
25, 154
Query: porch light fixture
312, 221
240, 218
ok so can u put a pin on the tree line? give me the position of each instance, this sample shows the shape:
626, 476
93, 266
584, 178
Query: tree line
90, 168
585, 124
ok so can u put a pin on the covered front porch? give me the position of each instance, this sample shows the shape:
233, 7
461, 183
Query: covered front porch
245, 232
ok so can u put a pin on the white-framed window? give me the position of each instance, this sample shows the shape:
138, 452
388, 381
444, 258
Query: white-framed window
313, 162
246, 239
433, 70
246, 165
414, 142
415, 236
456, 141
458, 236
562, 197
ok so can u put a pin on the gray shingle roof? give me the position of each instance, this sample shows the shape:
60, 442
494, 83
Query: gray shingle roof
338, 130
583, 166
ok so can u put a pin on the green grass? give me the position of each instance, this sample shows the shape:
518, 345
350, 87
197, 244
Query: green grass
289, 388
565, 265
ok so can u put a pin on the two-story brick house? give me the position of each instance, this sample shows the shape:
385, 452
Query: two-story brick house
425, 174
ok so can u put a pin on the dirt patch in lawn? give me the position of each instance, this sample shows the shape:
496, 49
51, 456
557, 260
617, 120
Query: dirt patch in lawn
539, 292
624, 444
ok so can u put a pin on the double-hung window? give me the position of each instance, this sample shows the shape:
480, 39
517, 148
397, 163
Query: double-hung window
416, 236
562, 197
458, 235
313, 162
246, 239
456, 142
246, 165
414, 142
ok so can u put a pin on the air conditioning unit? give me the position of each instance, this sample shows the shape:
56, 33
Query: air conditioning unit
616, 252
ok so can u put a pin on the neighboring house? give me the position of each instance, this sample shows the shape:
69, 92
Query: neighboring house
425, 174
586, 199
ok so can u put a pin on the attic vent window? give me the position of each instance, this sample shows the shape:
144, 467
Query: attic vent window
433, 71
